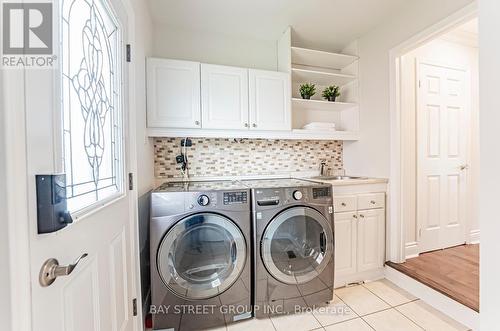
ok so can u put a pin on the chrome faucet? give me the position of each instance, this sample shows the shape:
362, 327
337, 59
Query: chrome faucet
322, 168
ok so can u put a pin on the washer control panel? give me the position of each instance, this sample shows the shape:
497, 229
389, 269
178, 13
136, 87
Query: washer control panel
203, 200
297, 195
231, 198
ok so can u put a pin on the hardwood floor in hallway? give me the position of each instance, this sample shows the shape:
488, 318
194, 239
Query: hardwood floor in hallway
453, 271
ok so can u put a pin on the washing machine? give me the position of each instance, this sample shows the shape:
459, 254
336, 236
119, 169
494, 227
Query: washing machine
294, 245
200, 255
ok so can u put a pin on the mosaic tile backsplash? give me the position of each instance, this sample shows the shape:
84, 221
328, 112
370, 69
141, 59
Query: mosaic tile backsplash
213, 157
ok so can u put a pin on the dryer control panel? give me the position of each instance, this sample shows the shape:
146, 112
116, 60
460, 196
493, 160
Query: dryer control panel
321, 192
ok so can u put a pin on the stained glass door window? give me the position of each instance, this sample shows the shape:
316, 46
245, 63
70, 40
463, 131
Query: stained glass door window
91, 102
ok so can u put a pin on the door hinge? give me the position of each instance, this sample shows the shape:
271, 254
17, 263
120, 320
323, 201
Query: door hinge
128, 53
419, 232
134, 306
130, 181
419, 83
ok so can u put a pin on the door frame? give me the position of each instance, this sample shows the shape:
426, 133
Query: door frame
16, 209
395, 242
468, 160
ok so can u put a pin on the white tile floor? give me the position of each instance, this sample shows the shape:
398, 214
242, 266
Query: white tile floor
380, 306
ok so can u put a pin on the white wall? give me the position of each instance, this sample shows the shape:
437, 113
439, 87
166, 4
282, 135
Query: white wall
5, 290
370, 156
454, 54
173, 43
489, 117
142, 48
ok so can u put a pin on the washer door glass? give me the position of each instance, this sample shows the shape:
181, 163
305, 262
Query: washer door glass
201, 256
297, 245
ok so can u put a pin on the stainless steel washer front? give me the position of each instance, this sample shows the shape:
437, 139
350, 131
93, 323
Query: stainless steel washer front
297, 245
201, 256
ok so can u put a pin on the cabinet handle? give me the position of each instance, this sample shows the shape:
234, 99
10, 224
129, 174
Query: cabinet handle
355, 216
343, 204
246, 125
361, 215
254, 125
372, 202
197, 122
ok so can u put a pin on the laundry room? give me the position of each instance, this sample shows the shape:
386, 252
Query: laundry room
238, 165
254, 114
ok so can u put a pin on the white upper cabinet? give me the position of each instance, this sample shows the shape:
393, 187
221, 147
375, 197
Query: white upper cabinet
269, 102
192, 99
173, 94
224, 97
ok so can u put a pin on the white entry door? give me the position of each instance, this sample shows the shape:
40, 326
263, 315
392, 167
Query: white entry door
442, 134
77, 122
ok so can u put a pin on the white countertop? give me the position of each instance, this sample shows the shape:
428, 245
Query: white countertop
354, 181
304, 175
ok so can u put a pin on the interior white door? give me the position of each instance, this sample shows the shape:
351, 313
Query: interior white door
371, 239
173, 89
442, 131
345, 243
269, 100
224, 97
86, 135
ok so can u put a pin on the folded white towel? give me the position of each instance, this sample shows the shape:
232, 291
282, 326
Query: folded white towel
320, 126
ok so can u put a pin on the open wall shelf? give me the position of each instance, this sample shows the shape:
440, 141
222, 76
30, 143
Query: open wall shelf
304, 104
322, 78
311, 57
322, 69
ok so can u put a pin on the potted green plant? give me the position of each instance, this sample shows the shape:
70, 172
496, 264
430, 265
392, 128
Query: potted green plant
331, 92
307, 90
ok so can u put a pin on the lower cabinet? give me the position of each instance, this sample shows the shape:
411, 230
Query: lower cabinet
359, 240
371, 239
346, 230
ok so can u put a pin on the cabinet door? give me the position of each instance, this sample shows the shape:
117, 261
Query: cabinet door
345, 243
224, 97
269, 100
173, 94
371, 239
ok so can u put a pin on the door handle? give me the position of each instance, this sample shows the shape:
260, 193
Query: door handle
464, 167
322, 242
51, 270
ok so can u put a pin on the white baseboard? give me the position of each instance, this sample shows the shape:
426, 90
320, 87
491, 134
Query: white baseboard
411, 249
365, 276
474, 237
441, 302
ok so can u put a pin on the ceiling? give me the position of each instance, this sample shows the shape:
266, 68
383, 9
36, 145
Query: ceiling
470, 27
321, 24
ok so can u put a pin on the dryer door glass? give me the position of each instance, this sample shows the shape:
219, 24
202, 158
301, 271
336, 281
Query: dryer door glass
297, 245
201, 256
